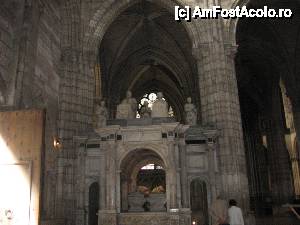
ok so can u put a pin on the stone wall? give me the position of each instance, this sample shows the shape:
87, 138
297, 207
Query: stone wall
29, 70
46, 84
10, 12
6, 45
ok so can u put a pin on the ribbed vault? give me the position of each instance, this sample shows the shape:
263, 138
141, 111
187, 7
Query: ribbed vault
145, 50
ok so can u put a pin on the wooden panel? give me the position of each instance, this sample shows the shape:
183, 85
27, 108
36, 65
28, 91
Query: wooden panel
21, 144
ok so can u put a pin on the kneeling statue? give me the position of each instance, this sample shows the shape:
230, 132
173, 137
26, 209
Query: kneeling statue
127, 108
190, 112
160, 107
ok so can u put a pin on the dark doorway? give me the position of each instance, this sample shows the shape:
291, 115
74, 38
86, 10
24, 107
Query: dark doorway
93, 203
198, 200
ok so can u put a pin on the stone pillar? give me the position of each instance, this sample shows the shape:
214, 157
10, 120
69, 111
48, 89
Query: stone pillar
108, 214
183, 176
107, 217
281, 172
111, 176
185, 217
220, 107
75, 113
102, 181
172, 177
80, 185
212, 170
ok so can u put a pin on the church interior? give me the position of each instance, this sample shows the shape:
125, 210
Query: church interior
113, 113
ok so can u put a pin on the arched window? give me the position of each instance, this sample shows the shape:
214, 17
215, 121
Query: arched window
150, 98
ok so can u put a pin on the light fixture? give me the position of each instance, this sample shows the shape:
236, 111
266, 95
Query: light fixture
57, 143
194, 222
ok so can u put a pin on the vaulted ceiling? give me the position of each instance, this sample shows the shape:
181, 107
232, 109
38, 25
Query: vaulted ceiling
145, 50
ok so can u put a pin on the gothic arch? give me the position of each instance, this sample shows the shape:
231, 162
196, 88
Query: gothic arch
102, 19
232, 23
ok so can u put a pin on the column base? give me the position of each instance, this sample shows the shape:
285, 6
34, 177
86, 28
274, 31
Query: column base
185, 216
107, 217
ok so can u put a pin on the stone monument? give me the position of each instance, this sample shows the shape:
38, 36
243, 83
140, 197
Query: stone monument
127, 108
101, 114
145, 110
190, 112
160, 107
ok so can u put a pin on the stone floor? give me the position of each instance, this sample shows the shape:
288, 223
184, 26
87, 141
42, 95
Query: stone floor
291, 220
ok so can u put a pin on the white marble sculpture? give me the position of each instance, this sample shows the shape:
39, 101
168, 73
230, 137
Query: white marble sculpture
127, 108
160, 107
190, 112
101, 114
145, 110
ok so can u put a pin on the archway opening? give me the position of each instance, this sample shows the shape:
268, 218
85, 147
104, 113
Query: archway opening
198, 202
93, 203
143, 182
262, 67
146, 51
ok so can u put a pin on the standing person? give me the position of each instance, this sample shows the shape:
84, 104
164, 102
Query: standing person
218, 211
235, 214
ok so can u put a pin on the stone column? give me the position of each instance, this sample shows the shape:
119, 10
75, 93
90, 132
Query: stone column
108, 215
281, 172
172, 176
220, 107
183, 175
102, 181
80, 185
75, 112
212, 171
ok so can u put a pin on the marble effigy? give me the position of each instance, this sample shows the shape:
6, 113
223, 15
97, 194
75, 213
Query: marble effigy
156, 202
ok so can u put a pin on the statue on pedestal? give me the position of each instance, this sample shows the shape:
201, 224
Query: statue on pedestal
145, 110
127, 108
190, 112
160, 107
101, 114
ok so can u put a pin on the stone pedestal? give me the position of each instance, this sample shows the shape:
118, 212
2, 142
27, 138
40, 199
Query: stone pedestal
107, 217
185, 216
